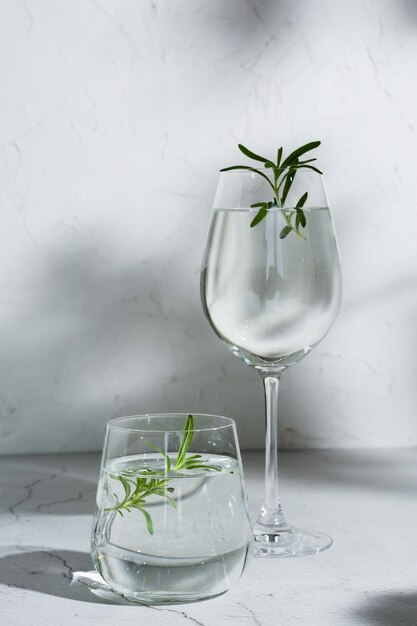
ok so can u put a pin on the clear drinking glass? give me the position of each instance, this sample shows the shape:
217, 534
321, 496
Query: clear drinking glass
172, 521
271, 300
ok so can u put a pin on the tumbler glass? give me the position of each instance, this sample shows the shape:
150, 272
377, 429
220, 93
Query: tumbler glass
172, 521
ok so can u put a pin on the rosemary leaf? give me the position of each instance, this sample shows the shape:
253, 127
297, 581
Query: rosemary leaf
289, 179
252, 155
148, 518
187, 437
164, 454
300, 151
261, 214
302, 200
285, 231
310, 167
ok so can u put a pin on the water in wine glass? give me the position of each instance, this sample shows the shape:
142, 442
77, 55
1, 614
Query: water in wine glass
270, 300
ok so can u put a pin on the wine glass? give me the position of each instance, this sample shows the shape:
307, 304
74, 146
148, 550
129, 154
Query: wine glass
271, 292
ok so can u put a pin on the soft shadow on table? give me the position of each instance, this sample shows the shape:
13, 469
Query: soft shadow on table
50, 571
390, 609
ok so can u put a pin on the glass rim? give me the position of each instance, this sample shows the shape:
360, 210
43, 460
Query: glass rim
113, 422
283, 209
303, 170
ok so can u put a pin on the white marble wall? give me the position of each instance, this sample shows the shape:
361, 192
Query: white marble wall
114, 119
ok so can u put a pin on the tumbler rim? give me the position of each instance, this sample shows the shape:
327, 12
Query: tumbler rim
114, 422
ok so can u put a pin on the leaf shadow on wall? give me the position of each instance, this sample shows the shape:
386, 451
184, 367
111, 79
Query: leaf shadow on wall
99, 338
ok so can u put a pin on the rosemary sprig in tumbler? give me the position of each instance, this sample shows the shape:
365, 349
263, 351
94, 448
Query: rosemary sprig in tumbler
138, 489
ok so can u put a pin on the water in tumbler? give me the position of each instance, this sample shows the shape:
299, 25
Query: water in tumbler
200, 541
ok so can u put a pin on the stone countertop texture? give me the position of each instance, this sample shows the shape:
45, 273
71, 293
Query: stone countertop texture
366, 500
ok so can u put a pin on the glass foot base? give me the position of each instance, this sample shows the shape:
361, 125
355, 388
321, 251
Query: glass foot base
289, 542
97, 585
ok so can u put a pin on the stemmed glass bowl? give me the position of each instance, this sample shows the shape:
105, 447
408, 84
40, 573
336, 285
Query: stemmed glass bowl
271, 294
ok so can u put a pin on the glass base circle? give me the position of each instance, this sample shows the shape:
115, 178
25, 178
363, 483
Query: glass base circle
158, 599
99, 587
290, 542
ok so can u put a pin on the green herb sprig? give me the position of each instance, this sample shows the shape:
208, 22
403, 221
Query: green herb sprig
138, 489
283, 172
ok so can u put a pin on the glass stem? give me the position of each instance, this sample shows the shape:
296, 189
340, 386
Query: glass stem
271, 513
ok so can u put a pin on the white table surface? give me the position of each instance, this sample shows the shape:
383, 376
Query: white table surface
366, 500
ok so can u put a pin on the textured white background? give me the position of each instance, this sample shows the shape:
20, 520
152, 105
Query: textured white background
114, 119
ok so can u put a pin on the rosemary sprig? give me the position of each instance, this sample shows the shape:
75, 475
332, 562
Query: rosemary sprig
283, 173
138, 489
